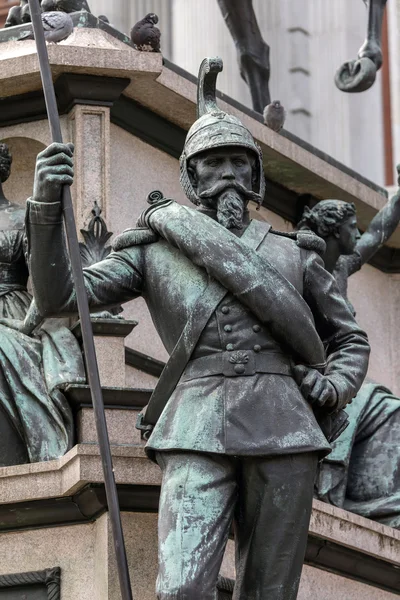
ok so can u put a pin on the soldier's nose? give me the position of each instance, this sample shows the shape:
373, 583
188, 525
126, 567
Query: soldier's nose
228, 173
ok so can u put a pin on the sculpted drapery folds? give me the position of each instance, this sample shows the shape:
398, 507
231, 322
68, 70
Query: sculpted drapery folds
241, 412
35, 419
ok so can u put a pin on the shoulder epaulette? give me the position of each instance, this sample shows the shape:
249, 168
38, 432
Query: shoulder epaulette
307, 240
134, 237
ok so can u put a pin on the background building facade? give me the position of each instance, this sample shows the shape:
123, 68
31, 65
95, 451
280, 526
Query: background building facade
309, 40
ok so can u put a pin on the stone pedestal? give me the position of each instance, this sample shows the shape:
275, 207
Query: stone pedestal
109, 338
54, 515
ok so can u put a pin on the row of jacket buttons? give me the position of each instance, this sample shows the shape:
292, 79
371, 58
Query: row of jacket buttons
256, 328
230, 347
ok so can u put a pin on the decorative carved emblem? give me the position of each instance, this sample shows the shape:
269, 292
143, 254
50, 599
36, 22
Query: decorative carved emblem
50, 579
96, 237
95, 249
239, 358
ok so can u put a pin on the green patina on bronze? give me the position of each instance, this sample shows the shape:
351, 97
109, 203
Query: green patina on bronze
237, 438
362, 474
36, 358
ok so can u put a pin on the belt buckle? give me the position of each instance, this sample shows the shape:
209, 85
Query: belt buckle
239, 363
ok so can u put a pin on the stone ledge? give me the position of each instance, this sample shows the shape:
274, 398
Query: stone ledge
352, 531
106, 327
67, 475
69, 491
82, 465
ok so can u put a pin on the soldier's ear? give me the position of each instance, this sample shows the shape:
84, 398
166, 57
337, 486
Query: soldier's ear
192, 175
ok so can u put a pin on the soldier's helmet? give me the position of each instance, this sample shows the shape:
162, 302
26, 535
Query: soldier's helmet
215, 129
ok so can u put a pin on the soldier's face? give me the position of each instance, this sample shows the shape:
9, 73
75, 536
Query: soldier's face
348, 235
227, 165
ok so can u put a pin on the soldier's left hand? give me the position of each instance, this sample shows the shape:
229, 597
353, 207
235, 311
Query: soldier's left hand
316, 388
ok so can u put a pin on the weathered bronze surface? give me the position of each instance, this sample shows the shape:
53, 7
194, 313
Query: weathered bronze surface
254, 54
362, 474
237, 439
359, 75
94, 249
36, 358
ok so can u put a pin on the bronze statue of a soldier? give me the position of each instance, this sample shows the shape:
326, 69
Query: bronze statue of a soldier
245, 314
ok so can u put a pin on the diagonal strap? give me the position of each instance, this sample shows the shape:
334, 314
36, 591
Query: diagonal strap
201, 313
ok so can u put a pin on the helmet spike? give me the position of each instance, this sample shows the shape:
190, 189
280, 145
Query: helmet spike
207, 86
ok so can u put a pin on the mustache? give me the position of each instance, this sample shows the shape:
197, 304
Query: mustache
221, 186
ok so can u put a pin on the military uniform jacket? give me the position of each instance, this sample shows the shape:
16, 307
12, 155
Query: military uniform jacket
237, 395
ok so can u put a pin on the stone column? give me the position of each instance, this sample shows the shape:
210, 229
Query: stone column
393, 9
91, 135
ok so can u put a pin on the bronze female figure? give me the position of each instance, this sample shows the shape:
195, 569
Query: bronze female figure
35, 419
362, 474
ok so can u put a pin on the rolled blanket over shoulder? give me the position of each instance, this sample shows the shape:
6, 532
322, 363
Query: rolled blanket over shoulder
250, 277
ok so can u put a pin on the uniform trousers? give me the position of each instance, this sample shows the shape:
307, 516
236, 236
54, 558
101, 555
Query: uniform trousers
268, 500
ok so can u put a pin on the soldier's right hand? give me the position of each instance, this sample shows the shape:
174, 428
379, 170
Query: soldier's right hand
54, 169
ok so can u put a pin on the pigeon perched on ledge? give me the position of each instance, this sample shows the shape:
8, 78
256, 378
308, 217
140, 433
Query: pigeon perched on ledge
145, 36
274, 116
67, 6
57, 26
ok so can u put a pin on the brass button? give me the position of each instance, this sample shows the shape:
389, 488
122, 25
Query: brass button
239, 369
257, 348
230, 347
228, 328
225, 310
256, 328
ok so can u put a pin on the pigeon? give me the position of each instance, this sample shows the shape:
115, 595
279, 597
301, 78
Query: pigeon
57, 26
145, 36
18, 14
67, 6
274, 115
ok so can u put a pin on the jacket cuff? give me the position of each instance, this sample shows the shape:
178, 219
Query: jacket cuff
43, 213
343, 390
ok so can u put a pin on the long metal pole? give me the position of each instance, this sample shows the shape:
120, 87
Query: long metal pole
84, 314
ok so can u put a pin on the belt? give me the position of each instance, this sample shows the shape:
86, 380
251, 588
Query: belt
240, 363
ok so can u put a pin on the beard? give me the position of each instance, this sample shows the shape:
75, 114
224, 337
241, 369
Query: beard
230, 199
230, 209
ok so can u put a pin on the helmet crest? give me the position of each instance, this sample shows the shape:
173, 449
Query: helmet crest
207, 86
215, 129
